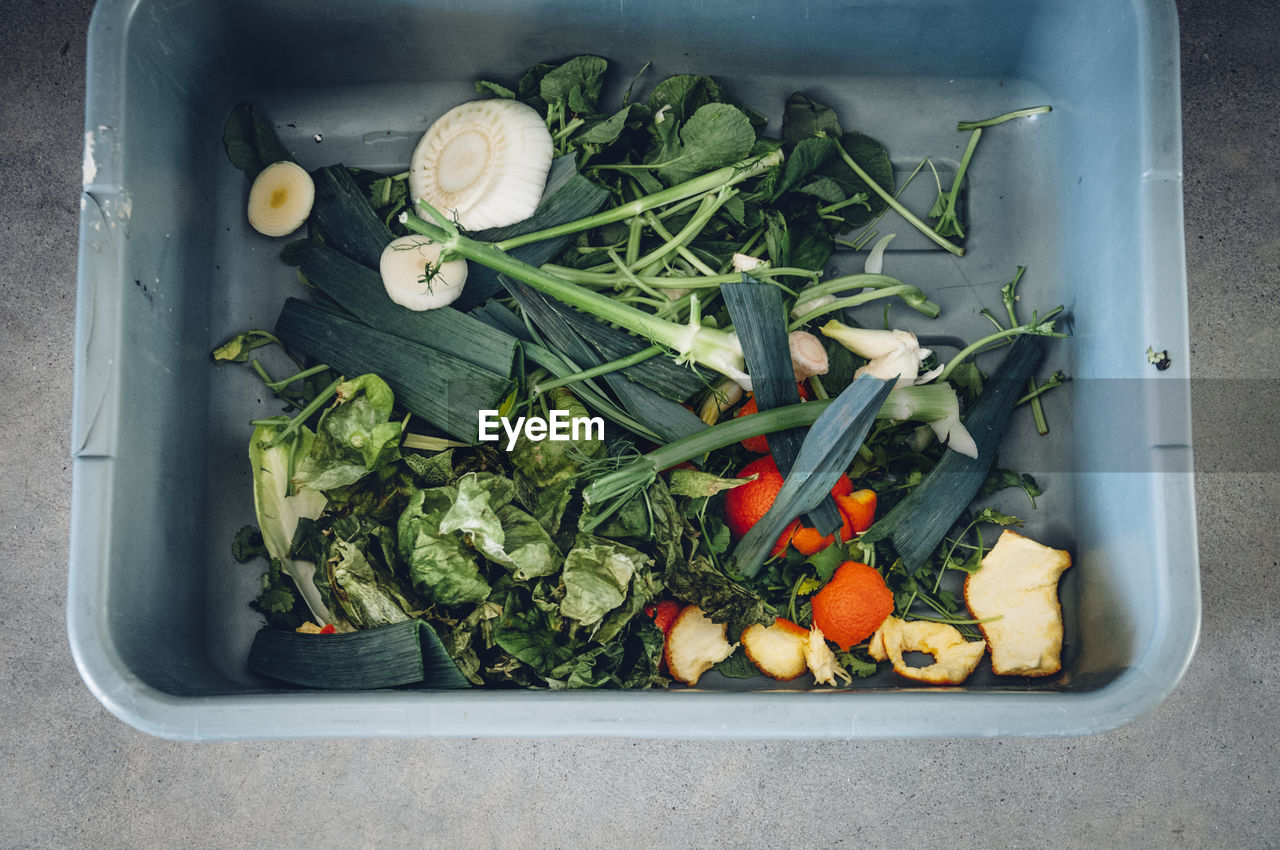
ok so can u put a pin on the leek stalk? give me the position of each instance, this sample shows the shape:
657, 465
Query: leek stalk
709, 347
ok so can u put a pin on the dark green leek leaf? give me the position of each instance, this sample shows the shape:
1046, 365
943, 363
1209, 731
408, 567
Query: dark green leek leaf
343, 217
664, 417
759, 319
567, 196
443, 390
918, 523
660, 374
405, 653
826, 453
497, 315
359, 289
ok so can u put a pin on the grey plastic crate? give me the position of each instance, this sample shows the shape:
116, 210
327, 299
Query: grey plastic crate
1087, 197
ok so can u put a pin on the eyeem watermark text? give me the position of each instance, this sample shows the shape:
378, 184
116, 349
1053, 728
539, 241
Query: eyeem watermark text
559, 426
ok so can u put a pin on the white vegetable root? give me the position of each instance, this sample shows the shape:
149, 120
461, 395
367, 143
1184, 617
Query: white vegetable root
483, 163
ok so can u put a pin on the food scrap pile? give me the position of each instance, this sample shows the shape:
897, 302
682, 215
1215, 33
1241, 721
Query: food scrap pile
576, 400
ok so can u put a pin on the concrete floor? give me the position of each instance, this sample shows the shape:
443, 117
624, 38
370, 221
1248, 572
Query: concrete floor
1198, 771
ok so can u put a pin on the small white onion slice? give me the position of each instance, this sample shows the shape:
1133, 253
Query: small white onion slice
280, 199
415, 278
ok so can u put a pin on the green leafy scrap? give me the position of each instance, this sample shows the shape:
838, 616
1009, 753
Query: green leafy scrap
597, 574
250, 140
722, 598
354, 437
504, 534
441, 568
718, 134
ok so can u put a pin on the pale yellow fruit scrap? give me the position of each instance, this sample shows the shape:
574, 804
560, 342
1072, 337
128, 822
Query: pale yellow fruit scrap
695, 644
777, 651
954, 657
1015, 590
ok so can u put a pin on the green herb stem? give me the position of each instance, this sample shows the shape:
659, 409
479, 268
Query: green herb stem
602, 369
1036, 328
679, 243
947, 221
277, 386
493, 256
628, 479
306, 413
901, 210
712, 181
911, 295
611, 279
561, 367
1000, 119
1009, 293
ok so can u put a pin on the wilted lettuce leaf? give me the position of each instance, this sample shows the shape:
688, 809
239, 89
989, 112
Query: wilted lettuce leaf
546, 471
644, 587
597, 573
526, 634
279, 506
367, 599
466, 639
498, 530
353, 437
441, 568
642, 661
594, 668
434, 470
